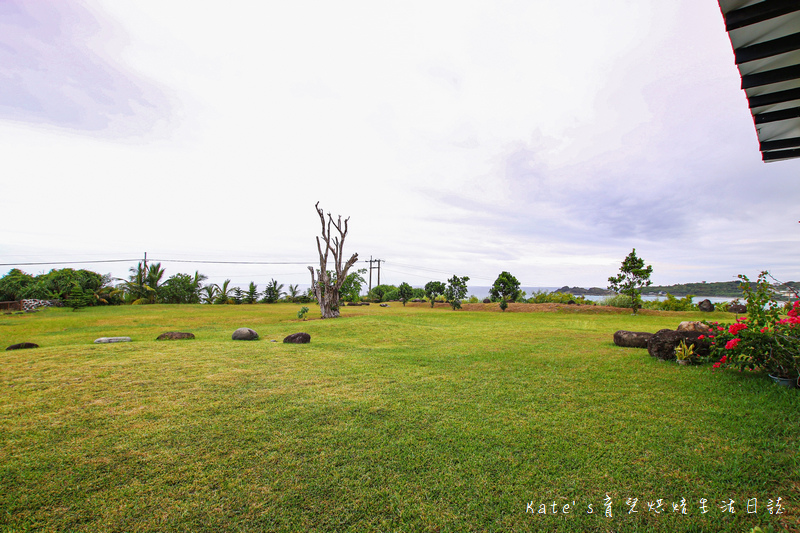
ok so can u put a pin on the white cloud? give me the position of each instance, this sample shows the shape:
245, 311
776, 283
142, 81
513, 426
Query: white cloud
462, 137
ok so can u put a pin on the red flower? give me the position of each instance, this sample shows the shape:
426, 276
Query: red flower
724, 359
736, 328
701, 337
732, 344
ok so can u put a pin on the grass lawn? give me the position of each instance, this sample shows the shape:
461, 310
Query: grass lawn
391, 419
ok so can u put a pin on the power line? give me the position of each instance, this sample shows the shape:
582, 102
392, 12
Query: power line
72, 262
137, 260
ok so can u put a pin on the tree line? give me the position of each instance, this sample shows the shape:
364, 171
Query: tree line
145, 285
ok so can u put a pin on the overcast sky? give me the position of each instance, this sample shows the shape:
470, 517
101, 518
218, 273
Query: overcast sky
463, 137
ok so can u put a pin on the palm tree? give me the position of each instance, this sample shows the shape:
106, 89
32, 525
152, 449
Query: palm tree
196, 285
224, 293
154, 276
210, 293
294, 292
136, 288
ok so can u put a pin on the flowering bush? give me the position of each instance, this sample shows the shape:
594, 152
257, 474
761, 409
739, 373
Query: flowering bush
763, 340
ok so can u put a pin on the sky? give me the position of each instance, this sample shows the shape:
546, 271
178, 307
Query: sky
546, 139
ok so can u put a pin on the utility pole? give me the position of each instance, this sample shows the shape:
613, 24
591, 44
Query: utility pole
145, 262
371, 266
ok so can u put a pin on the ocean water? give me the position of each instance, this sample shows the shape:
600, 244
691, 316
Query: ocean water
482, 292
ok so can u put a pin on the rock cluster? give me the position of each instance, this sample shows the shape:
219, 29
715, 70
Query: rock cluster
663, 343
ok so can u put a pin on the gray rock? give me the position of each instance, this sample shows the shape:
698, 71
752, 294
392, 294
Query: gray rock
22, 346
384, 305
487, 301
706, 306
632, 339
174, 336
106, 340
298, 338
244, 334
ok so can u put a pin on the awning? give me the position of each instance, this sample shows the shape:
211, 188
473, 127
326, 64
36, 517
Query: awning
765, 36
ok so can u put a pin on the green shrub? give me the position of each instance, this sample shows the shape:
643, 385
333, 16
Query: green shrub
672, 304
618, 300
543, 297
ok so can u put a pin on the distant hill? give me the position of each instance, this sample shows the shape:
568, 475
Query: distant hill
727, 289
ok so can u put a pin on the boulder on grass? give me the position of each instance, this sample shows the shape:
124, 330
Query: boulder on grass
690, 325
632, 339
244, 334
739, 309
663, 343
22, 346
174, 336
384, 305
298, 338
107, 340
706, 306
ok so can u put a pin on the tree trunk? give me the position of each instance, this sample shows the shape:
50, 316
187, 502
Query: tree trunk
326, 284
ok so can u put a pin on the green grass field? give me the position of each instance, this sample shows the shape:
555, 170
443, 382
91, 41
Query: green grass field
399, 419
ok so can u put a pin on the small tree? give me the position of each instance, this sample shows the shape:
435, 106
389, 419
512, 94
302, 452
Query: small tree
382, 293
294, 292
505, 288
434, 289
273, 292
456, 291
633, 275
351, 288
78, 297
238, 295
326, 287
252, 294
224, 293
405, 292
209, 293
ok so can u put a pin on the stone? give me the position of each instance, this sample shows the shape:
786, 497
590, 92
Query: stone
31, 304
298, 338
663, 343
487, 301
737, 308
706, 306
244, 334
694, 326
632, 339
174, 336
384, 305
106, 340
22, 346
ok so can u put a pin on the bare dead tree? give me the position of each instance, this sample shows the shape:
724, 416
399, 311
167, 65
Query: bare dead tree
326, 283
